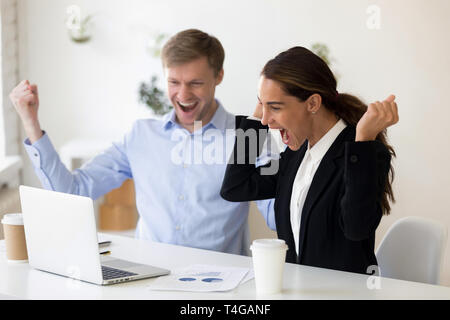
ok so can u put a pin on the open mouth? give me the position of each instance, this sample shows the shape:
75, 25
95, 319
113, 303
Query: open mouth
284, 136
187, 107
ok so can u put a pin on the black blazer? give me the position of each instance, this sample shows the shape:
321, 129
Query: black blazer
342, 209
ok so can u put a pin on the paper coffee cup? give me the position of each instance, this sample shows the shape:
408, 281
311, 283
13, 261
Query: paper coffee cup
16, 248
268, 263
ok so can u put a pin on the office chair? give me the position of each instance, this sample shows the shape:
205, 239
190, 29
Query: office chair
413, 249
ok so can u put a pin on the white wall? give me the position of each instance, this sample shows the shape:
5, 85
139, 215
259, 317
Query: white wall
9, 144
90, 90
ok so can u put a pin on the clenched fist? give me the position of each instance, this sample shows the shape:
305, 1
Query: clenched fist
379, 116
26, 102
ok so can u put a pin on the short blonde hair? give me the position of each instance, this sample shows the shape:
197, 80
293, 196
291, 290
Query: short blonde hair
192, 44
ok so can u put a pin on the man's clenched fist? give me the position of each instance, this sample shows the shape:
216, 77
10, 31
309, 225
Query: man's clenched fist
25, 99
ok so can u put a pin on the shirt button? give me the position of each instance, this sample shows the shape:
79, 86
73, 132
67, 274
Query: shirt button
185, 165
35, 154
181, 197
353, 159
177, 228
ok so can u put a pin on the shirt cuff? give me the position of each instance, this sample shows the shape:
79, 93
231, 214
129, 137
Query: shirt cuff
40, 151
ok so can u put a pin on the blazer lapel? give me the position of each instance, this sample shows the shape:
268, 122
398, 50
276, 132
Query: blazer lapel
323, 175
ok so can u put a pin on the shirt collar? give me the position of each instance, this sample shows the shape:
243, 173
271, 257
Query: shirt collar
218, 121
321, 147
168, 120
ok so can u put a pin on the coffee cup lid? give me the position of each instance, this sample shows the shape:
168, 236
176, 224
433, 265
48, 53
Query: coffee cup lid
268, 244
13, 218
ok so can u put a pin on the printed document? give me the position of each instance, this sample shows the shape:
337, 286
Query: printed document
202, 278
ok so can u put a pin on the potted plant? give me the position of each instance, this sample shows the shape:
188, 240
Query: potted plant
79, 27
153, 97
149, 92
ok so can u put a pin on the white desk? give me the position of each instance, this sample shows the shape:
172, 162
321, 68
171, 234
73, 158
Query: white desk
300, 282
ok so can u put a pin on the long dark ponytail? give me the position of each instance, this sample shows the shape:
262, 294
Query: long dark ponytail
301, 73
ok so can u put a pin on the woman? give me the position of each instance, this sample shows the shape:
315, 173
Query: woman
334, 180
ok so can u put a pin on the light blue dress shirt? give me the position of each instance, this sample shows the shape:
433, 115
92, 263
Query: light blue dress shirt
177, 177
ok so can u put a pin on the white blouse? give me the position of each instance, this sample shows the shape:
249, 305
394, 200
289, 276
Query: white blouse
305, 175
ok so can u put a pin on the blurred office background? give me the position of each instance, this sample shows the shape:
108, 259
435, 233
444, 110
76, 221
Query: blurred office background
90, 90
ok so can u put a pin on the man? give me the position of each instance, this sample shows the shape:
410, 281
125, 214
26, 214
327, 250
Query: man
177, 189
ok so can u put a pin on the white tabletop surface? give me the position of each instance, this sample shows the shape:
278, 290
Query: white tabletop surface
300, 282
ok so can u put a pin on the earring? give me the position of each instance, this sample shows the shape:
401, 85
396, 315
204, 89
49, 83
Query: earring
313, 112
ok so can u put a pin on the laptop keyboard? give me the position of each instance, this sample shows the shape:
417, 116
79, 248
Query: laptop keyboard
111, 273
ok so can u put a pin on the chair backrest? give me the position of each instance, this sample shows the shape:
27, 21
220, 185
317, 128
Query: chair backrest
413, 249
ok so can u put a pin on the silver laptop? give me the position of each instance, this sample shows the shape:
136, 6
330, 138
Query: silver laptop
61, 237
